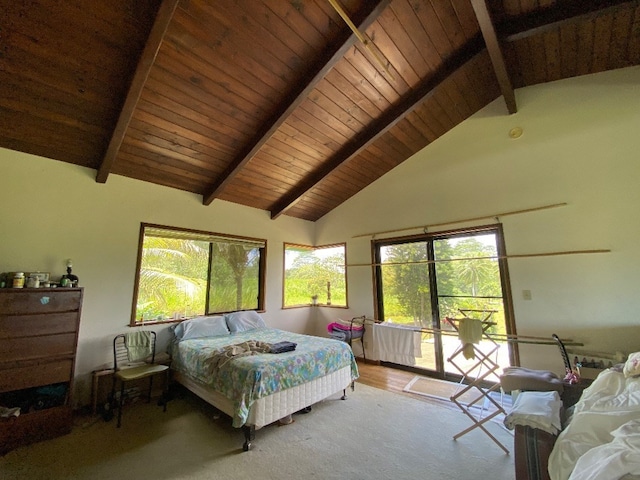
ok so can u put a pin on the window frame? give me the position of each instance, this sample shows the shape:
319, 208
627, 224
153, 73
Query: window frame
313, 248
262, 269
431, 237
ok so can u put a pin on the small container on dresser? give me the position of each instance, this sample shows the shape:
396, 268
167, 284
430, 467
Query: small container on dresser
18, 280
38, 341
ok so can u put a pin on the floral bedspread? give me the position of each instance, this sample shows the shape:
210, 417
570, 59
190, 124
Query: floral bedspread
248, 378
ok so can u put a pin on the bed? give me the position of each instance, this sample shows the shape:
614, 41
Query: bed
601, 437
227, 361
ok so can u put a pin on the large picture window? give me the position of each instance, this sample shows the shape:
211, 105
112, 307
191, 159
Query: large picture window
315, 275
184, 273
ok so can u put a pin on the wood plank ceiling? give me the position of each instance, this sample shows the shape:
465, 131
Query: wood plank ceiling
277, 104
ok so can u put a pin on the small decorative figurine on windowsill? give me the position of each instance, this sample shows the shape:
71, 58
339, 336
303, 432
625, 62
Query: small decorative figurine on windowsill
69, 280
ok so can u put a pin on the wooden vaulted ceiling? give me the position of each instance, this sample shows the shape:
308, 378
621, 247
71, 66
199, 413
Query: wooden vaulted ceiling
279, 104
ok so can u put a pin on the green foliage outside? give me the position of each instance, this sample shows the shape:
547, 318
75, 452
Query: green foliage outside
173, 278
234, 278
406, 289
310, 274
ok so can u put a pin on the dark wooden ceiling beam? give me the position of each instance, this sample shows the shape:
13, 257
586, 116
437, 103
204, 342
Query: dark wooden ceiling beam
302, 90
382, 124
557, 15
495, 53
147, 59
514, 28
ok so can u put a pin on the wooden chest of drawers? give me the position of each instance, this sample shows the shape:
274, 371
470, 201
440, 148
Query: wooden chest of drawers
38, 340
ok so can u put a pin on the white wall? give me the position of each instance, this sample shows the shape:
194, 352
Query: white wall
580, 146
51, 211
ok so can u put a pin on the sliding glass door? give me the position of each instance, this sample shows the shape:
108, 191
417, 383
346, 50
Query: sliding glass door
404, 280
423, 281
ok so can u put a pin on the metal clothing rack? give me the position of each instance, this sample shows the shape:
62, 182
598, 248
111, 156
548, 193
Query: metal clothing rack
484, 361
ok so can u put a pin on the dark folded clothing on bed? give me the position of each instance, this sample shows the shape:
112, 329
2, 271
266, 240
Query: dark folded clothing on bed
281, 347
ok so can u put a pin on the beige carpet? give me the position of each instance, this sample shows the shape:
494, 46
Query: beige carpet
374, 434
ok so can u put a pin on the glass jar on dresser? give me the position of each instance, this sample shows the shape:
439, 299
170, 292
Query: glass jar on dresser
38, 342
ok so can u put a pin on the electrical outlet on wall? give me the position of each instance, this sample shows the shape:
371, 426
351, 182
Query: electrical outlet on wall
526, 294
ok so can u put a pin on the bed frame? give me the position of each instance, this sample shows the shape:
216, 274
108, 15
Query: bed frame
269, 409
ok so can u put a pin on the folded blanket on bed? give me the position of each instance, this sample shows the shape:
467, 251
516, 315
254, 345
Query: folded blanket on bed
281, 347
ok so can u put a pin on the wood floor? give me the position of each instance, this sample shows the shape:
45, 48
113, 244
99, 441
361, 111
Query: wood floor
385, 378
390, 379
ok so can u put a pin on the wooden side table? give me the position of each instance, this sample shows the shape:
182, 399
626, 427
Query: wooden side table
573, 392
95, 383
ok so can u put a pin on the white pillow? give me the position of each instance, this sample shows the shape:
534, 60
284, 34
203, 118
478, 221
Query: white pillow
199, 327
243, 321
632, 365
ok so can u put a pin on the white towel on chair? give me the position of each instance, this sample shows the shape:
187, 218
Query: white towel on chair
138, 345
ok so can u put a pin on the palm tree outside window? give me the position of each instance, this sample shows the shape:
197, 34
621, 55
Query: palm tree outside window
185, 273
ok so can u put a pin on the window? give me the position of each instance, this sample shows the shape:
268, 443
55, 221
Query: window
315, 275
185, 273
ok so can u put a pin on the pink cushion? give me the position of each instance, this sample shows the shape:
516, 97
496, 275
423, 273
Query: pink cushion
339, 326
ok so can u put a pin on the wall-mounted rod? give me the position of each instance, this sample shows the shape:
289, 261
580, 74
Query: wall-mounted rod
496, 336
492, 257
484, 217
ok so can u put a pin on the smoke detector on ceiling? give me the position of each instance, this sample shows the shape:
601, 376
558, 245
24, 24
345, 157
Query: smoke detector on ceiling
515, 132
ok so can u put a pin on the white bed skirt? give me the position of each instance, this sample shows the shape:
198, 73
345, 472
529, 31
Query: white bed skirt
268, 409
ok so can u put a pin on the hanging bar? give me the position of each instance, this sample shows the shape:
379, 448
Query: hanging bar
494, 257
499, 337
364, 39
485, 217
